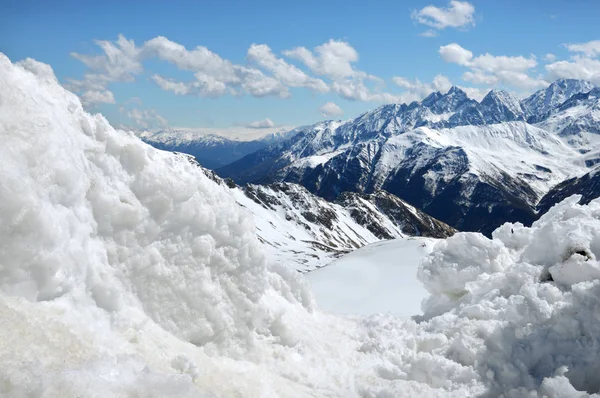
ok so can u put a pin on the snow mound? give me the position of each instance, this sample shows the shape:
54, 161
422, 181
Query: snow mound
93, 222
522, 309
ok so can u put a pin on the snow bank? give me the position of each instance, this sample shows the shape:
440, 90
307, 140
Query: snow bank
522, 310
95, 223
124, 271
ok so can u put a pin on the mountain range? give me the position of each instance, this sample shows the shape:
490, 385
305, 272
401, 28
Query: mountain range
473, 165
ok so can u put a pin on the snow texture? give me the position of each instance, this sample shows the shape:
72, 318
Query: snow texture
124, 271
379, 278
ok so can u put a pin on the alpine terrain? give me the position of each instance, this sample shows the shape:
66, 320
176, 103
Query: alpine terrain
473, 165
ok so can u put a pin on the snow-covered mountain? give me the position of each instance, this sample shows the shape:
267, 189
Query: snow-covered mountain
304, 231
211, 150
473, 165
539, 104
472, 177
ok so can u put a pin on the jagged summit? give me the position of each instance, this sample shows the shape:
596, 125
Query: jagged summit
537, 105
500, 106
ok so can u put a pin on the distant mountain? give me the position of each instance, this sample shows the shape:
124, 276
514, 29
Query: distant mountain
302, 229
211, 150
576, 119
538, 105
473, 165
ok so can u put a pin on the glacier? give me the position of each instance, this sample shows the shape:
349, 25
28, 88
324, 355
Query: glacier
125, 271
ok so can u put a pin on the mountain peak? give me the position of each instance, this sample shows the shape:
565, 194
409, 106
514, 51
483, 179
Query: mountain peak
501, 106
500, 95
543, 101
455, 90
564, 82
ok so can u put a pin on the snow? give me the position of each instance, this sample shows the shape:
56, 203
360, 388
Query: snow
124, 271
379, 278
441, 117
293, 241
316, 160
515, 148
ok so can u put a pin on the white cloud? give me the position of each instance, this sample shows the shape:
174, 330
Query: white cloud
549, 57
455, 54
98, 97
214, 75
262, 124
416, 91
146, 118
120, 62
331, 109
356, 90
91, 92
584, 63
578, 68
335, 60
288, 74
199, 60
428, 33
475, 93
458, 14
590, 49
492, 70
203, 86
258, 85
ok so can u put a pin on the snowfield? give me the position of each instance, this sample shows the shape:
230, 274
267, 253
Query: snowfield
125, 272
378, 278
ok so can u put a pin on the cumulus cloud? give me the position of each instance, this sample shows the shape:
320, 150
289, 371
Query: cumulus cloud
262, 124
474, 92
458, 14
428, 33
214, 75
492, 70
549, 57
416, 90
91, 92
211, 76
331, 109
335, 60
590, 49
584, 63
146, 118
288, 74
202, 86
120, 62
455, 54
577, 68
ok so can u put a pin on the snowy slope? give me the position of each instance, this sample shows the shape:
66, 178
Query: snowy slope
125, 271
379, 278
305, 232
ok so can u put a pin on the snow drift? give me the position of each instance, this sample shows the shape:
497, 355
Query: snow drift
124, 271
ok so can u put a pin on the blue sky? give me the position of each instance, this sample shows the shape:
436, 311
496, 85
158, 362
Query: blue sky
311, 60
